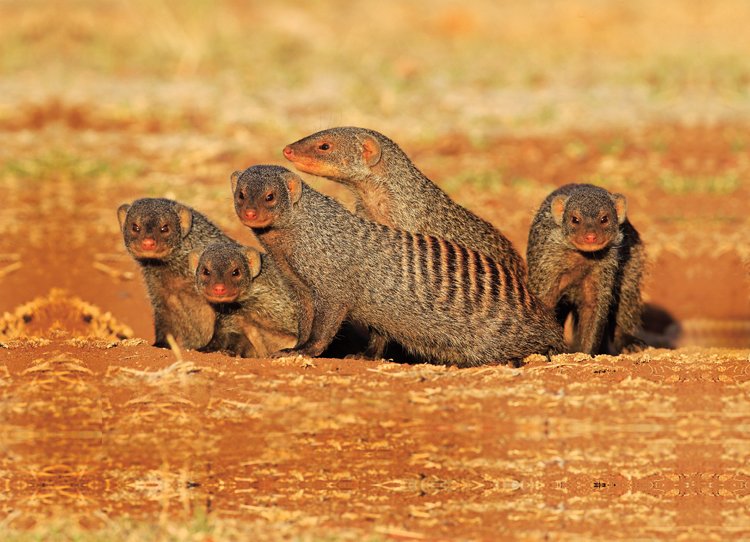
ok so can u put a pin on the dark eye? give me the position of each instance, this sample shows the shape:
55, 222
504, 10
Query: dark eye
136, 228
575, 220
270, 196
206, 272
240, 195
324, 147
604, 219
164, 228
236, 273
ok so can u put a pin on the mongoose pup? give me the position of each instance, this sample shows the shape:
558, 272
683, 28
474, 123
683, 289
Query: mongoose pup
391, 190
255, 312
586, 258
159, 234
436, 298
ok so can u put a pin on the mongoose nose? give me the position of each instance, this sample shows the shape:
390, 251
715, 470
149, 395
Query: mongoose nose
220, 289
288, 152
250, 214
590, 238
148, 244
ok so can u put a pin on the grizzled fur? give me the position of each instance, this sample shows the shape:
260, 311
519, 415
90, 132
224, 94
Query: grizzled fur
438, 299
391, 190
159, 234
586, 258
255, 311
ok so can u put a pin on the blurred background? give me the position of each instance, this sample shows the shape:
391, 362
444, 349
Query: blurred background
102, 102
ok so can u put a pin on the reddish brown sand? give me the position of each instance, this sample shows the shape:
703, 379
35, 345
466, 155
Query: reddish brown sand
647, 445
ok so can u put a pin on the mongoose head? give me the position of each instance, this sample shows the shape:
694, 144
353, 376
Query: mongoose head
345, 154
223, 271
590, 217
152, 228
264, 195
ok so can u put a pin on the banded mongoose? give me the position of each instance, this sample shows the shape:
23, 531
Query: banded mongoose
586, 258
159, 234
438, 299
255, 312
390, 190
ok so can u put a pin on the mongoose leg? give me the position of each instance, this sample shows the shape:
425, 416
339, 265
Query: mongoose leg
592, 317
326, 323
375, 346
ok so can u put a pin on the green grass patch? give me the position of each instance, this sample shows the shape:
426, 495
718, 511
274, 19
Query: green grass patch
673, 183
57, 164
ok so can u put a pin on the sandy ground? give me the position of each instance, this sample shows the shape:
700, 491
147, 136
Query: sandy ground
104, 436
97, 428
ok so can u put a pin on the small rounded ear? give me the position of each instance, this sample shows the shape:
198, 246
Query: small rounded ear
186, 219
370, 149
233, 179
621, 206
253, 261
122, 213
294, 185
557, 208
193, 259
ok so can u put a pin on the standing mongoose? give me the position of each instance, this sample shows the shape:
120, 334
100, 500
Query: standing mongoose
438, 299
391, 190
255, 312
159, 234
586, 258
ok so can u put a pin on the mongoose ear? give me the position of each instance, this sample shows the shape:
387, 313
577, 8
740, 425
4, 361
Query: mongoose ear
557, 208
234, 178
193, 258
370, 149
621, 206
253, 261
186, 219
122, 213
294, 185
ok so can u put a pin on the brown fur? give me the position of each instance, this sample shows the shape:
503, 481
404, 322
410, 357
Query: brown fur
159, 234
438, 299
255, 310
586, 261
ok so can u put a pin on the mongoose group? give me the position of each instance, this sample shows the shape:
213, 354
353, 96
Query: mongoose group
409, 264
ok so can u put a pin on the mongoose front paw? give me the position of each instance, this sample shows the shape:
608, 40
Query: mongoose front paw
286, 353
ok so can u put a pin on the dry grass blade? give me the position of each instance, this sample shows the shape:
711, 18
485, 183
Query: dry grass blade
176, 350
8, 269
112, 272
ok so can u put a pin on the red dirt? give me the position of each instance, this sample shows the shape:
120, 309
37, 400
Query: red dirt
638, 446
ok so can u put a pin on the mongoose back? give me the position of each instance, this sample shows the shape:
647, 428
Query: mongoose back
436, 298
586, 258
159, 234
391, 190
255, 312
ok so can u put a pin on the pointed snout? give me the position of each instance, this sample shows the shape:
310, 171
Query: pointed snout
250, 214
288, 152
219, 289
590, 238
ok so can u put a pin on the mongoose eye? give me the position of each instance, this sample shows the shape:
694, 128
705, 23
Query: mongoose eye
604, 219
324, 147
164, 228
575, 220
236, 273
270, 196
206, 272
240, 195
136, 228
